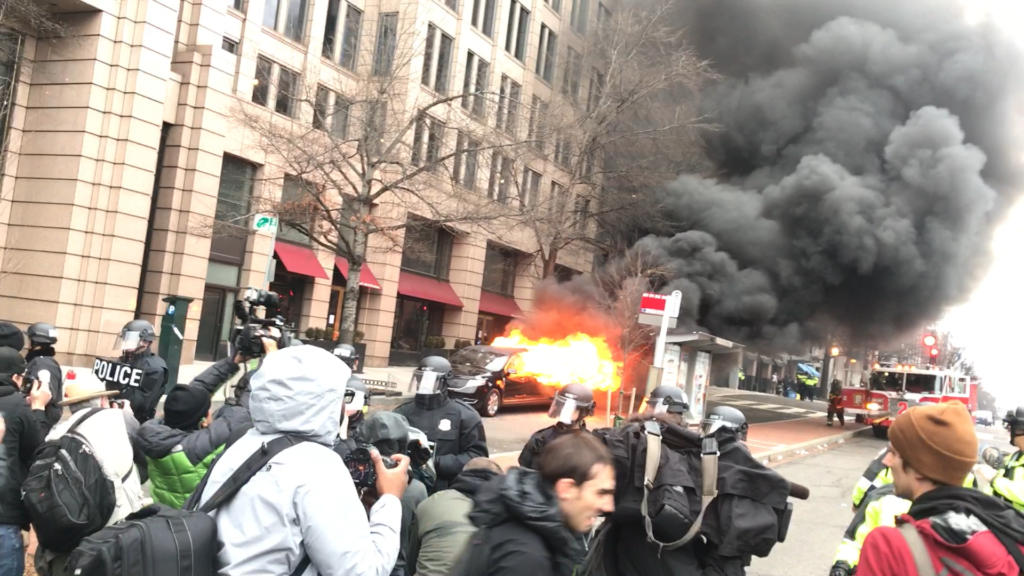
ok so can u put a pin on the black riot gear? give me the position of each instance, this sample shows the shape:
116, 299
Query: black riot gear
348, 354
145, 395
42, 333
670, 399
456, 430
1014, 422
133, 335
40, 359
725, 417
572, 404
357, 401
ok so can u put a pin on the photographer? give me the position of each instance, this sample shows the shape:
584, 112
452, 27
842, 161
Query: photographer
180, 447
320, 521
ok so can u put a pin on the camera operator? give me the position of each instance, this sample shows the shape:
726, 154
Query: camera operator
134, 344
298, 391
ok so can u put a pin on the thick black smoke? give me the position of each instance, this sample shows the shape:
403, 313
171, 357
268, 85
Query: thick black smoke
867, 152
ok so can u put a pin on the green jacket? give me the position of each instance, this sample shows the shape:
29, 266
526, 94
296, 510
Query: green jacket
1009, 482
881, 508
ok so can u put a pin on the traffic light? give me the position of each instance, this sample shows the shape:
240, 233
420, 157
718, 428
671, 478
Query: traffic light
929, 341
934, 353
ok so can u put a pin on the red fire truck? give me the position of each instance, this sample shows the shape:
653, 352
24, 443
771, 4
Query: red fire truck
894, 388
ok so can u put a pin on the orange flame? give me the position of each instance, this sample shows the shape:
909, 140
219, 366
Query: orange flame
576, 358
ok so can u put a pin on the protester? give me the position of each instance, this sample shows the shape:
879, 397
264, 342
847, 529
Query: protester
108, 433
443, 526
180, 447
303, 504
528, 520
22, 436
962, 531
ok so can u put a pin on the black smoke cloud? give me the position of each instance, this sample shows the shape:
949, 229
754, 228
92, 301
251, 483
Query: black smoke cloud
867, 151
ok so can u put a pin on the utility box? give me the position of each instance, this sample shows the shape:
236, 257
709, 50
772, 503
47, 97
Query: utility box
172, 335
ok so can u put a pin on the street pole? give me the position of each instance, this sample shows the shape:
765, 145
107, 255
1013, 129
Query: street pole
654, 374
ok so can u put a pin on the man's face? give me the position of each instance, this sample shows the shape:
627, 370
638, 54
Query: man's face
904, 479
582, 504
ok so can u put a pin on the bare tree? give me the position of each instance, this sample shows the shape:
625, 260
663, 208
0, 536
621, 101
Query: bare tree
624, 120
375, 158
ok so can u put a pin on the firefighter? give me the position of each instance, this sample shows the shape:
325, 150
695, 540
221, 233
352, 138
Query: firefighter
879, 508
570, 409
134, 343
454, 428
835, 402
1008, 481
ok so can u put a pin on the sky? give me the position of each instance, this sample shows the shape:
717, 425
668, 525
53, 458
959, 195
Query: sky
991, 324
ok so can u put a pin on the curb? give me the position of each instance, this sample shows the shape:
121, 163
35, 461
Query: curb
824, 443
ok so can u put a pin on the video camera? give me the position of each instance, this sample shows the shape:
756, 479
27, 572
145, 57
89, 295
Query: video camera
249, 334
360, 466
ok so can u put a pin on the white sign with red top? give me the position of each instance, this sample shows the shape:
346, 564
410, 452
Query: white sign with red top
655, 304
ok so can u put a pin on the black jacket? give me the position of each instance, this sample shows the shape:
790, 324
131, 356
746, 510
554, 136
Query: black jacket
145, 397
520, 531
41, 359
22, 438
540, 439
996, 514
455, 429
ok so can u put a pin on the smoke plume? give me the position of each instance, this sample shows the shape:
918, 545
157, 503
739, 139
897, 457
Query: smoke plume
867, 151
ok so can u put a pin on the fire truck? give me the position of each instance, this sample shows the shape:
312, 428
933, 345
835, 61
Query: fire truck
894, 388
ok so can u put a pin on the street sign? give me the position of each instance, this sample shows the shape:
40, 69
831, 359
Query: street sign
654, 320
651, 303
264, 223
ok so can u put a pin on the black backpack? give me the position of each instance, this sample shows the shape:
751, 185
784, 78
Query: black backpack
66, 493
161, 541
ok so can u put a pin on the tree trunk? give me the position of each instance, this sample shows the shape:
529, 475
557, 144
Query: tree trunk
550, 262
350, 302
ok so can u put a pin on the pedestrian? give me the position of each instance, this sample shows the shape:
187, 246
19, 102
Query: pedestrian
23, 433
135, 344
442, 521
42, 365
1007, 482
775, 383
571, 406
107, 430
302, 508
180, 447
455, 429
528, 521
948, 528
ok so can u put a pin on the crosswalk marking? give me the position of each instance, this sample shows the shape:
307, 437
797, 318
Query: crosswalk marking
738, 402
772, 407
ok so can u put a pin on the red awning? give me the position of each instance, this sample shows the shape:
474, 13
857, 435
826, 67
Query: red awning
492, 303
416, 286
366, 277
300, 260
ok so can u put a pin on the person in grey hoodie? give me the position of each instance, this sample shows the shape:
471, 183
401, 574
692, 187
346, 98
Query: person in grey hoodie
303, 506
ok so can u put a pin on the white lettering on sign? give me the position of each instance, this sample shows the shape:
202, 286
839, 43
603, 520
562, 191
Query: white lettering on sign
116, 374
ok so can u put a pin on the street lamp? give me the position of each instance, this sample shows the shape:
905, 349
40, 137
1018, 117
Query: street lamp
835, 351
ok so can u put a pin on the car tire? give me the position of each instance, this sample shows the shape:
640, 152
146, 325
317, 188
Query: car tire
491, 405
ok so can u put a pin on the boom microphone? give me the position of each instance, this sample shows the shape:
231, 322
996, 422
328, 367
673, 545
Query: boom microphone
799, 491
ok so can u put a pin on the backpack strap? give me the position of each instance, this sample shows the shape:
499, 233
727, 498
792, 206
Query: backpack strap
245, 472
92, 412
922, 558
709, 482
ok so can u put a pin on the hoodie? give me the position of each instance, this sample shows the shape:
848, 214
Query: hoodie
965, 531
304, 501
521, 530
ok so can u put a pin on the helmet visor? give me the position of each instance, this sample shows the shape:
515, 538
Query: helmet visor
127, 341
425, 382
655, 407
355, 401
564, 410
713, 423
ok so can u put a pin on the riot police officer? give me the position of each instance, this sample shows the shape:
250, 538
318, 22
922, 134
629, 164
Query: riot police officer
357, 402
135, 342
40, 358
348, 355
669, 402
725, 417
1007, 482
455, 429
570, 409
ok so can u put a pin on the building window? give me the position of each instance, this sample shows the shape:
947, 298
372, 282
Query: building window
236, 4
572, 74
501, 178
559, 201
535, 135
344, 52
234, 190
229, 45
483, 16
320, 108
287, 17
387, 40
596, 90
437, 60
427, 249
531, 187
287, 92
581, 213
580, 13
296, 216
467, 152
261, 87
518, 31
563, 152
499, 270
546, 51
330, 113
603, 13
8, 72
426, 142
453, 4
475, 83
508, 105
555, 5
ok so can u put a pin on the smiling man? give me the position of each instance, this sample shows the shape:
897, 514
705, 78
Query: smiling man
528, 521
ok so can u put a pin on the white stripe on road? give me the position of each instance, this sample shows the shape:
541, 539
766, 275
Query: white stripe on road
776, 407
737, 402
794, 410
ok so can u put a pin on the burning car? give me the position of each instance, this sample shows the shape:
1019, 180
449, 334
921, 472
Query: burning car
488, 377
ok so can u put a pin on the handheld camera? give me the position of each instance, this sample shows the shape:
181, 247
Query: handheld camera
360, 466
252, 329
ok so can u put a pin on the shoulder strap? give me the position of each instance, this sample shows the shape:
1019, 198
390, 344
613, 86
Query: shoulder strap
246, 471
92, 412
303, 564
922, 559
709, 482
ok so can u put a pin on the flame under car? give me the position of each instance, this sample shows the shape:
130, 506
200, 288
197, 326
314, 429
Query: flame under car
489, 377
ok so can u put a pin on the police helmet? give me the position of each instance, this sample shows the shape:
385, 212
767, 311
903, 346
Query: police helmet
725, 417
42, 333
432, 375
347, 353
1014, 421
666, 399
572, 404
135, 333
357, 395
